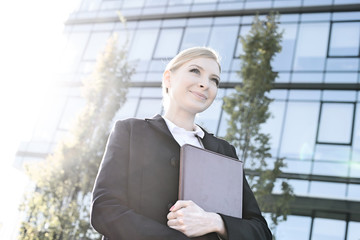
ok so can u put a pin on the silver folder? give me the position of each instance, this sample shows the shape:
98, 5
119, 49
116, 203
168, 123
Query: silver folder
211, 180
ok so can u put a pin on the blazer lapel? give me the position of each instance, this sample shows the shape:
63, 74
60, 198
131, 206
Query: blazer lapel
159, 123
210, 142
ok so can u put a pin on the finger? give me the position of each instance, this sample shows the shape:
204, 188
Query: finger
171, 215
180, 204
175, 222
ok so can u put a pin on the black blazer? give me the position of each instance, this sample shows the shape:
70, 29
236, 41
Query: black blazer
138, 182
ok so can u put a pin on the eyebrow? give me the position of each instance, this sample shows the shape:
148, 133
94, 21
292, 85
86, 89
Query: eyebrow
195, 65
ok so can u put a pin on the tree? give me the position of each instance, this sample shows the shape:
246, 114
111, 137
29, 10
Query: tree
248, 109
59, 206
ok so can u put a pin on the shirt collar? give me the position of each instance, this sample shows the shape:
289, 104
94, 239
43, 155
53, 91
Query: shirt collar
174, 128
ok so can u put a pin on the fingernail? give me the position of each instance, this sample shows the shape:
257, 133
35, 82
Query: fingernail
171, 208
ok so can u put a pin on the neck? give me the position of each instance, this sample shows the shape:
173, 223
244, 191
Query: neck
183, 120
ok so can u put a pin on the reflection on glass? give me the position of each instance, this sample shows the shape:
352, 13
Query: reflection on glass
283, 60
327, 189
328, 229
336, 123
345, 39
148, 108
311, 46
168, 44
195, 36
300, 129
224, 45
143, 44
294, 228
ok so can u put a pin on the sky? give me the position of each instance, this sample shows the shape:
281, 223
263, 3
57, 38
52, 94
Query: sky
31, 43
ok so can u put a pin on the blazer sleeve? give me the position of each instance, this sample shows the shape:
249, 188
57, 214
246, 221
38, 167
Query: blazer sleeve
110, 212
252, 225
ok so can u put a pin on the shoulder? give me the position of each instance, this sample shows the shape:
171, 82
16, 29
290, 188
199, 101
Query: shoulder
224, 146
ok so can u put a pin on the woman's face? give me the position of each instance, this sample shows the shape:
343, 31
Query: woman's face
193, 86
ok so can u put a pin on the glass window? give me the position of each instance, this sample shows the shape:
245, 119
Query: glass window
341, 77
49, 119
155, 2
336, 123
300, 129
127, 110
328, 229
294, 228
355, 168
328, 190
299, 166
72, 109
133, 4
300, 187
143, 44
224, 45
332, 152
338, 95
354, 192
304, 94
195, 36
179, 2
342, 64
307, 77
149, 107
96, 45
311, 46
209, 119
345, 39
356, 137
330, 169
274, 124
244, 31
168, 44
283, 60
73, 52
353, 231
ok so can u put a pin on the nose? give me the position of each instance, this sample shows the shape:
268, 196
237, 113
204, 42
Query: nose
204, 83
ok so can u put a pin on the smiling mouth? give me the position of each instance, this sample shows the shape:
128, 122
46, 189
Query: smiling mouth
199, 95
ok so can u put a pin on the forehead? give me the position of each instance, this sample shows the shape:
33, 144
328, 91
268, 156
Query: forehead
208, 64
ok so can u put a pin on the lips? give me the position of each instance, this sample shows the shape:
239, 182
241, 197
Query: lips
199, 95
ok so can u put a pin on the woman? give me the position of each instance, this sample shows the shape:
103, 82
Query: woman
135, 193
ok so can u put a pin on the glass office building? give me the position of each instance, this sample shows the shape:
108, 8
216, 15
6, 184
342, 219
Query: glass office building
316, 111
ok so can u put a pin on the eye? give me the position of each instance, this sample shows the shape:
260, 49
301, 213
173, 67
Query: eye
216, 81
195, 70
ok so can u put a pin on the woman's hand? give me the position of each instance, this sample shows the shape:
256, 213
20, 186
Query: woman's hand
193, 221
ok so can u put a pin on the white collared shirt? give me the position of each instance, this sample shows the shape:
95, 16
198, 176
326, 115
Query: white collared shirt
183, 136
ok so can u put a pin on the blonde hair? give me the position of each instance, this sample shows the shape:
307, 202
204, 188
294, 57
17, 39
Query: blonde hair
183, 57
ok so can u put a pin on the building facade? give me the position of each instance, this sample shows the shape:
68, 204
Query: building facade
316, 111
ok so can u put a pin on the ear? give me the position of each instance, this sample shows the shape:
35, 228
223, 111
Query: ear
166, 78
